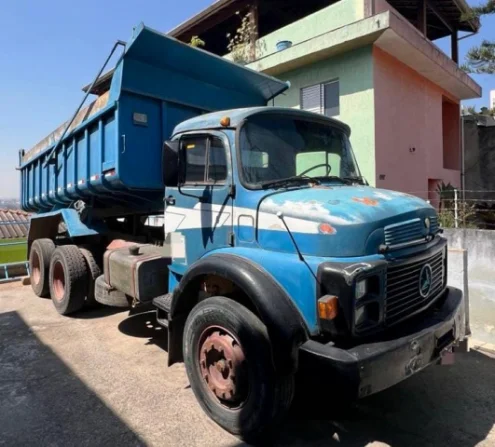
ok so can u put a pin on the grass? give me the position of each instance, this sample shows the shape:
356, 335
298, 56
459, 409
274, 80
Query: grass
12, 253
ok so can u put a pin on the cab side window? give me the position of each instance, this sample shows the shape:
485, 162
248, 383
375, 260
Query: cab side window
194, 150
217, 161
205, 160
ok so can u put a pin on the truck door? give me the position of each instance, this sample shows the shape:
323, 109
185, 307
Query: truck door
198, 212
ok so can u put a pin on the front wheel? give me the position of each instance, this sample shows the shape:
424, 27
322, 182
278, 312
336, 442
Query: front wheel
228, 359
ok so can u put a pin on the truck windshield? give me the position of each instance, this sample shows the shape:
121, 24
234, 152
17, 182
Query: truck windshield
275, 148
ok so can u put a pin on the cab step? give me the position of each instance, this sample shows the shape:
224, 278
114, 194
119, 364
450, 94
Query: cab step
162, 304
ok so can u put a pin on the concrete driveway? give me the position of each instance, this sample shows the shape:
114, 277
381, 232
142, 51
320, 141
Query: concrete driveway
100, 378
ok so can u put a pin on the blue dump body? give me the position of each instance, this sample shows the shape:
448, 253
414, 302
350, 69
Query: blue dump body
111, 154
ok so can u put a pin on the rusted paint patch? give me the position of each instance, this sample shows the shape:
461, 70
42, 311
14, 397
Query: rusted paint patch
119, 243
365, 201
326, 228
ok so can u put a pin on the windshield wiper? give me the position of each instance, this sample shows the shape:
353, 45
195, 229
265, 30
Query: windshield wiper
331, 177
356, 179
346, 180
288, 180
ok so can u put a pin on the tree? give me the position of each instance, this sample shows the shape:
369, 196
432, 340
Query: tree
481, 59
484, 111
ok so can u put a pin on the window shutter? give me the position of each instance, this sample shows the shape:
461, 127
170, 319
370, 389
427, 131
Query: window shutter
312, 98
331, 101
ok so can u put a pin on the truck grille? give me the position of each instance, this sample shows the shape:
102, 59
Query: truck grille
403, 287
434, 224
402, 232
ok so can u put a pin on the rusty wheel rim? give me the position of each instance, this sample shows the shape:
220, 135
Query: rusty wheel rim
35, 268
223, 367
58, 281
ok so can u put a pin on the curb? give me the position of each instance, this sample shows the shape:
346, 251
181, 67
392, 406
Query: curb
481, 345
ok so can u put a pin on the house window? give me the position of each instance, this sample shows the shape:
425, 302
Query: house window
322, 98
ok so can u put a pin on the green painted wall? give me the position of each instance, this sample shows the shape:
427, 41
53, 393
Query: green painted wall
354, 70
327, 19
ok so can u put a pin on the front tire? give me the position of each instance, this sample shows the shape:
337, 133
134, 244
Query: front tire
227, 354
68, 279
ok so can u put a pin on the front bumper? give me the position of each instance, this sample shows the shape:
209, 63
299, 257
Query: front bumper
412, 346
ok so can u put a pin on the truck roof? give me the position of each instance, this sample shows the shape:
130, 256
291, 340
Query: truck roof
237, 116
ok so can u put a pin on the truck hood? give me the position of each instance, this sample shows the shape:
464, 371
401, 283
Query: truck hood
340, 221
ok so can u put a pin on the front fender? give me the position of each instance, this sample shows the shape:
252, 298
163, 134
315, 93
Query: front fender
285, 325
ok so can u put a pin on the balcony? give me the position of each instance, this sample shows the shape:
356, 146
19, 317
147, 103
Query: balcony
351, 24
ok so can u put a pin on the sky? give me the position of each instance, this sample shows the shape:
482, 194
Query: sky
49, 49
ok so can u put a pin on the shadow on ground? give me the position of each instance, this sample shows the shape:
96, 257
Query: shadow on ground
142, 323
443, 405
42, 402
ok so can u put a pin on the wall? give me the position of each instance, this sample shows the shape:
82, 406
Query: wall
355, 74
480, 245
479, 162
451, 135
408, 128
332, 17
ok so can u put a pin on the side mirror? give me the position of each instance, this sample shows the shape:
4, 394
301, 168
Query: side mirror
170, 163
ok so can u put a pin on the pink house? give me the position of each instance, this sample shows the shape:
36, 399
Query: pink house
370, 63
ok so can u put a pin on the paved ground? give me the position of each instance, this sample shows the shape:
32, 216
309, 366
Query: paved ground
101, 379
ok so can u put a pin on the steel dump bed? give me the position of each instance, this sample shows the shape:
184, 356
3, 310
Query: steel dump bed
111, 153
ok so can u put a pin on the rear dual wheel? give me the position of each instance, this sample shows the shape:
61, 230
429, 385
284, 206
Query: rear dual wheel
69, 275
39, 266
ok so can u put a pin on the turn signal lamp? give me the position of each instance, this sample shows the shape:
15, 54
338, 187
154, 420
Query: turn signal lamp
328, 307
225, 121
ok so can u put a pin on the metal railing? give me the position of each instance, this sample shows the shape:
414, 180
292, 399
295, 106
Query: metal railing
13, 270
459, 208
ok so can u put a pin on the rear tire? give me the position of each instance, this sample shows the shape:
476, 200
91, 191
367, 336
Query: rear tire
39, 266
228, 360
68, 279
94, 271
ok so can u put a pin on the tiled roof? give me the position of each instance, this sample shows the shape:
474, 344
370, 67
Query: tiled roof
13, 224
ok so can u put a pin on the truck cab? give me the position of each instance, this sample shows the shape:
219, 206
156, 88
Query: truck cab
275, 253
268, 209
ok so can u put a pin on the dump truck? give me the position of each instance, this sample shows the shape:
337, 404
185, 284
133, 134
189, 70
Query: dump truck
248, 227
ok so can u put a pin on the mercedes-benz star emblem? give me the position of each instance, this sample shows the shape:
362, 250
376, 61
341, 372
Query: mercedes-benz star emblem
425, 279
427, 223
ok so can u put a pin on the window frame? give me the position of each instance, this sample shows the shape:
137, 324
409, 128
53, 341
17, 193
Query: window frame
322, 96
208, 136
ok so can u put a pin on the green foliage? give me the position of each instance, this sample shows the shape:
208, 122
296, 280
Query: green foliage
480, 10
243, 44
484, 111
446, 194
239, 44
466, 216
196, 42
466, 213
481, 59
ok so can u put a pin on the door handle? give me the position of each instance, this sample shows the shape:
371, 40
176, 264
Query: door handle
170, 200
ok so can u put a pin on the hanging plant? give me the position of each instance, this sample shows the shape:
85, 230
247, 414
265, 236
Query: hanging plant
241, 43
196, 42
